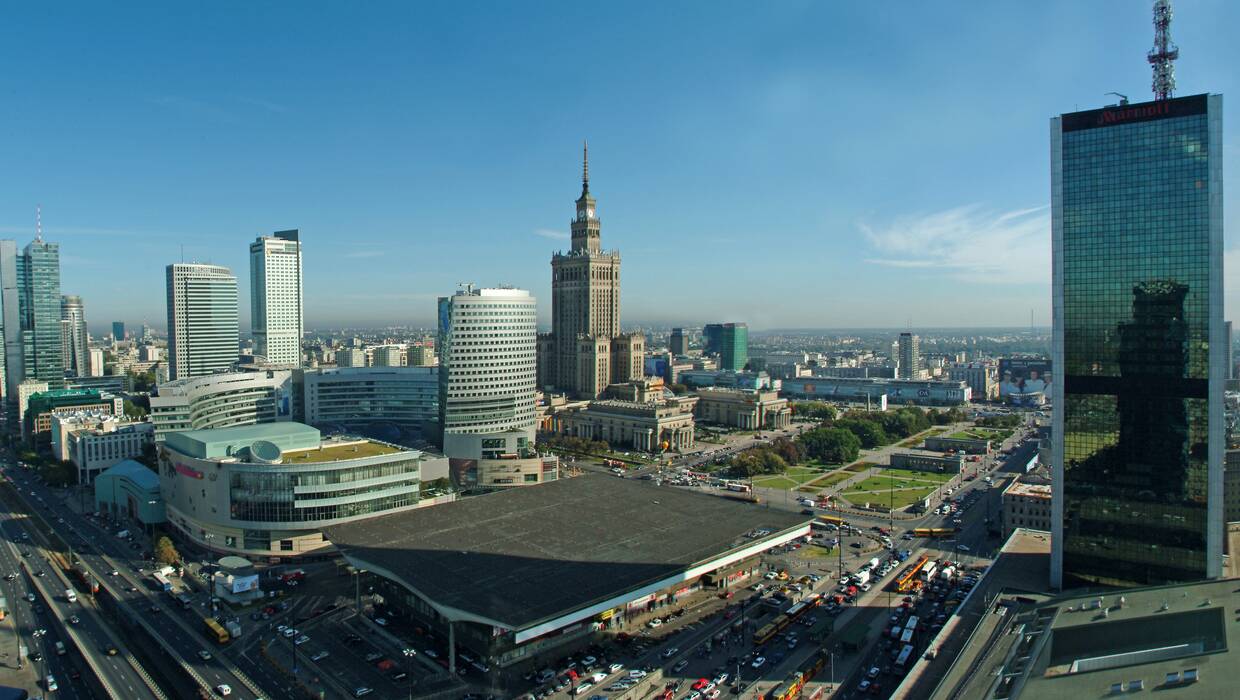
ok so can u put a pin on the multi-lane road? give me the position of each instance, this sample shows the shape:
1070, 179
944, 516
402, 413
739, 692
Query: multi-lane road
101, 553
52, 612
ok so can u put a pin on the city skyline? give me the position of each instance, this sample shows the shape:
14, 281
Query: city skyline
861, 167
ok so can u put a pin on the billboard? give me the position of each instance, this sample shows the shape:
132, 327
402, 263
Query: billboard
1025, 380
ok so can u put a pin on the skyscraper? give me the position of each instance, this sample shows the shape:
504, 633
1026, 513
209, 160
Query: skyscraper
11, 317
1139, 343
486, 369
276, 313
732, 343
586, 351
712, 339
75, 341
202, 319
38, 272
118, 330
910, 356
677, 344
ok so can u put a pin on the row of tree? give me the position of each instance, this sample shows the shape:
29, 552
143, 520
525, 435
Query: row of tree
1008, 421
573, 444
774, 458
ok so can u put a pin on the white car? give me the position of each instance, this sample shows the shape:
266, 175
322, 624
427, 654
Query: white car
654, 623
223, 689
758, 662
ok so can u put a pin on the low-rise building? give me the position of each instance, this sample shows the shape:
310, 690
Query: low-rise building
130, 491
748, 409
222, 400
982, 378
357, 397
899, 392
43, 405
649, 427
951, 444
699, 378
922, 462
96, 440
269, 490
1027, 504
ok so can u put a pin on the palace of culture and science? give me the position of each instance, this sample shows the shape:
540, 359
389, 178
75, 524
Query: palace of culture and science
585, 350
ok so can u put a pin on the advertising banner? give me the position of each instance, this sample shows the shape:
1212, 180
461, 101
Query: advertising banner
1021, 378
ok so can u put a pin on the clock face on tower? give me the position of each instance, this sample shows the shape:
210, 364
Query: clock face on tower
590, 213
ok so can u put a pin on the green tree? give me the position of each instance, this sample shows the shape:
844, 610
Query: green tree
133, 411
831, 445
165, 552
869, 432
789, 450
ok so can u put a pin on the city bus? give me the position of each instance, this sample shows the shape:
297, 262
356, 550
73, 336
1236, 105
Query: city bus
905, 653
934, 532
162, 581
185, 600
740, 486
768, 631
216, 630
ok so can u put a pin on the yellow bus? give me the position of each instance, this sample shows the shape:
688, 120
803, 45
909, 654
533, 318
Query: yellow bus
908, 580
216, 630
934, 532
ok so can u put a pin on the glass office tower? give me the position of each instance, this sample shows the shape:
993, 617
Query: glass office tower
1138, 309
38, 272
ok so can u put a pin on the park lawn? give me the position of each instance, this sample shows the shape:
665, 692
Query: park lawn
919, 437
775, 482
813, 551
832, 479
885, 482
860, 467
790, 479
914, 474
897, 499
994, 434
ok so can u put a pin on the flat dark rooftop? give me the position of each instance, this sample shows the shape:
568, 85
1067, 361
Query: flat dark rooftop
534, 553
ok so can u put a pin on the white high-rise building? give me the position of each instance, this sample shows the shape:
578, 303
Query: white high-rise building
487, 371
202, 320
74, 341
277, 317
910, 357
96, 362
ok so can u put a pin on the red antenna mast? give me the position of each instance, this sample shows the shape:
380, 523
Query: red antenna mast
1164, 52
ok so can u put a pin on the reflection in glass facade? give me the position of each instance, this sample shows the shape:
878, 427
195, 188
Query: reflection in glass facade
1137, 193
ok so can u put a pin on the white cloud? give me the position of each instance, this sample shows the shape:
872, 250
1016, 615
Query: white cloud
969, 243
552, 234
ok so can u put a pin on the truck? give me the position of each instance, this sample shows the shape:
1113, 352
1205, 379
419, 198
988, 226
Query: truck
927, 572
947, 573
861, 577
873, 563
70, 595
233, 627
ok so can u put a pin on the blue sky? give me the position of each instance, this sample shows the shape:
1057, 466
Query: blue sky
788, 164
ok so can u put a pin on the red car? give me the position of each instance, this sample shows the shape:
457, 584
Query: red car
700, 683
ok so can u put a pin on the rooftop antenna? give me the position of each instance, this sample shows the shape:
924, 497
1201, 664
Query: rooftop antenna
585, 166
1164, 52
1123, 99
38, 223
